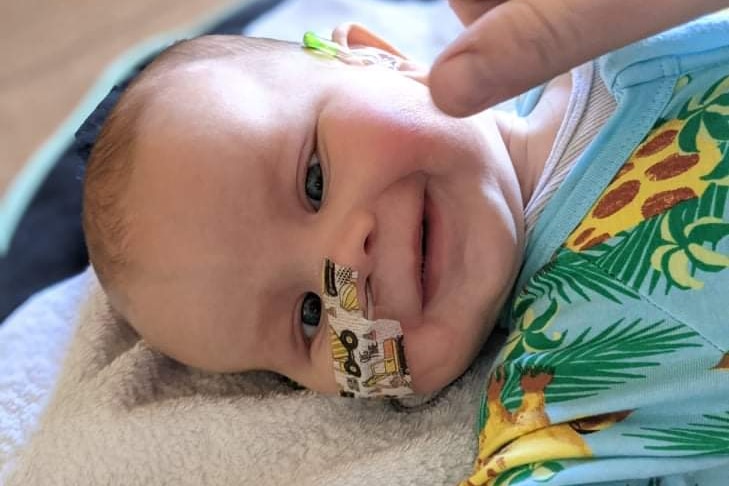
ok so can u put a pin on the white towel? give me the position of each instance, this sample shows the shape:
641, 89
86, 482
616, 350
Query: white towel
123, 414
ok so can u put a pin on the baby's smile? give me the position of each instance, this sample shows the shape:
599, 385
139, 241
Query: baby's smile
432, 250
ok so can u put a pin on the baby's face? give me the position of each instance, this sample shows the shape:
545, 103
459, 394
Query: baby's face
248, 175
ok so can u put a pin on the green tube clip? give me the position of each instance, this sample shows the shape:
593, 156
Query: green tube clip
313, 41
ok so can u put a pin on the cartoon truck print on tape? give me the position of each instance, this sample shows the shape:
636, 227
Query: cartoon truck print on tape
343, 346
392, 364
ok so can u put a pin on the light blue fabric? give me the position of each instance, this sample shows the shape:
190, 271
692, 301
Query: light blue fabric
527, 101
616, 371
642, 90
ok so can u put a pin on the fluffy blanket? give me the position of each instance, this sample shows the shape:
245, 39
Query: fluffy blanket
115, 412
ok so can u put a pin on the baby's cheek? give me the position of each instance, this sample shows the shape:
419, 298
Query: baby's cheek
388, 135
319, 376
438, 353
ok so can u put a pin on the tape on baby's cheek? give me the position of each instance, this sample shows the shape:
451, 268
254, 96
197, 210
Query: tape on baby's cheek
368, 356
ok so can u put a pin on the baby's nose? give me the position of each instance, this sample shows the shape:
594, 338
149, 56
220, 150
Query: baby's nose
354, 240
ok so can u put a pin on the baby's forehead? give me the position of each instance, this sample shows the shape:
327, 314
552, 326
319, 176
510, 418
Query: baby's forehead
218, 104
262, 60
196, 89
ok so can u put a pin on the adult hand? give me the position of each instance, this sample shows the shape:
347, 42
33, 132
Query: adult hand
510, 46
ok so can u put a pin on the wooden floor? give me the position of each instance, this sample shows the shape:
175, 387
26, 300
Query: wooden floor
51, 52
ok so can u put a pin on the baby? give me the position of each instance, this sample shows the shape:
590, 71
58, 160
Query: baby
234, 166
234, 171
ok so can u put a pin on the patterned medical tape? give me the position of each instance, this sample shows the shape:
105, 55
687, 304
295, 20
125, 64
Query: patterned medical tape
368, 356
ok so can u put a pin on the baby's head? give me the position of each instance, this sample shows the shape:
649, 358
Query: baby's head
232, 167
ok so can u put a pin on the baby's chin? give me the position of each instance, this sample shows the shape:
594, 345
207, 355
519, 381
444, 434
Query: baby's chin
435, 363
433, 381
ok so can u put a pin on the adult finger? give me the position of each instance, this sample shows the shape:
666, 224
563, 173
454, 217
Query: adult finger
521, 43
469, 10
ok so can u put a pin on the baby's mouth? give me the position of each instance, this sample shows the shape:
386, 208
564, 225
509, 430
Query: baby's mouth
431, 251
424, 247
423, 250
370, 306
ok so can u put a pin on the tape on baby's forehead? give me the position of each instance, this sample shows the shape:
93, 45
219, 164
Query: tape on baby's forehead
368, 356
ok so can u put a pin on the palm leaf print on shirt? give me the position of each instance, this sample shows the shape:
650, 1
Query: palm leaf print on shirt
570, 276
710, 437
540, 471
595, 361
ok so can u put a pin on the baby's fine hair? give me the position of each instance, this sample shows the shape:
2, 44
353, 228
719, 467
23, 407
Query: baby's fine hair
106, 223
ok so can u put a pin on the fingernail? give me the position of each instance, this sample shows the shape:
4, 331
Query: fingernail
460, 88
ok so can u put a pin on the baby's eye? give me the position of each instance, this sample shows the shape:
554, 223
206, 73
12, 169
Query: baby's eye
310, 314
314, 183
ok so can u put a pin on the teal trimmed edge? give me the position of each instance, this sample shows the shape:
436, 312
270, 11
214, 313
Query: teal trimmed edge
24, 186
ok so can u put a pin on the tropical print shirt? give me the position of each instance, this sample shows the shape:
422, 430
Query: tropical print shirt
616, 370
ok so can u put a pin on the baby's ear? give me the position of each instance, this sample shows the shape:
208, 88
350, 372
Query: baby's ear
353, 35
